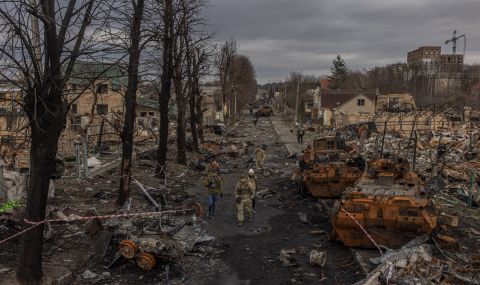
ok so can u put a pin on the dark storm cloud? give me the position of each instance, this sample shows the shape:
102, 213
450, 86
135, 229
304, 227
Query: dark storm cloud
304, 35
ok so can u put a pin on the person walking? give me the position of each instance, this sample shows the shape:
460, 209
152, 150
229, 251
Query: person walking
255, 121
260, 158
213, 182
252, 178
243, 199
213, 166
300, 134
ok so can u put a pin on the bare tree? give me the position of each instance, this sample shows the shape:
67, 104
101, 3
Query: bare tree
224, 68
243, 82
39, 45
134, 50
199, 66
166, 12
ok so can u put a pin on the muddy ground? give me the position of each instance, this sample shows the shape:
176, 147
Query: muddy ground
241, 255
253, 250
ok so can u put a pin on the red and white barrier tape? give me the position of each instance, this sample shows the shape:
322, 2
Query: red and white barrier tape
87, 218
363, 229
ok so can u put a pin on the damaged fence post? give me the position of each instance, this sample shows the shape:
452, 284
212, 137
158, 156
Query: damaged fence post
470, 188
85, 156
77, 158
2, 163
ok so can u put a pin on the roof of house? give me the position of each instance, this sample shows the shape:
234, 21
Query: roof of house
334, 98
146, 102
85, 71
476, 87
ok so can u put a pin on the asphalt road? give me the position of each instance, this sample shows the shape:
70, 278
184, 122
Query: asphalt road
284, 220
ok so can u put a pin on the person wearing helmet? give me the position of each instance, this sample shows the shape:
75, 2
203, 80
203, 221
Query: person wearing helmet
260, 158
252, 178
213, 182
243, 199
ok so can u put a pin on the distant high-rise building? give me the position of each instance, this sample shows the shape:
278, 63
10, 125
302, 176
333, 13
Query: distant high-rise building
431, 58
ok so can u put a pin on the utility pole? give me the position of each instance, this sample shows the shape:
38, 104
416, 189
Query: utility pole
235, 104
285, 98
296, 101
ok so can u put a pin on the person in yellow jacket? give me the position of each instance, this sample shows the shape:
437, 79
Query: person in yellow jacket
213, 182
243, 199
252, 178
260, 158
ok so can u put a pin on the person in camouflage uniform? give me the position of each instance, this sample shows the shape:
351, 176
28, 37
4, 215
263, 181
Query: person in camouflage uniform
213, 182
252, 178
243, 194
260, 158
213, 166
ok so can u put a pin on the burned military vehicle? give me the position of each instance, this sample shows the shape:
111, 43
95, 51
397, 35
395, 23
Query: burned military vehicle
265, 111
388, 205
327, 168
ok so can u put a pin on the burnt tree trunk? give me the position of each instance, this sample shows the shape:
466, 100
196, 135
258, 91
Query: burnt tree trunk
166, 81
130, 103
46, 109
181, 123
45, 132
198, 108
193, 119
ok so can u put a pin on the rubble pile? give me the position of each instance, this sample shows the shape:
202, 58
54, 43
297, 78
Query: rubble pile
417, 265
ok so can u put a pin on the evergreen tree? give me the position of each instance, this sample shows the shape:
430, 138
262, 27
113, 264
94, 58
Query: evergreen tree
339, 72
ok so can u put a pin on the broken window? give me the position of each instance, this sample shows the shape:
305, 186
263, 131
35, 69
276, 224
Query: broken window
361, 102
151, 114
143, 114
330, 144
319, 144
10, 122
102, 109
3, 96
102, 88
7, 140
74, 109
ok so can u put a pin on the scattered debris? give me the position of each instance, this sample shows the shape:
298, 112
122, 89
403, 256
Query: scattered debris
87, 274
318, 258
286, 258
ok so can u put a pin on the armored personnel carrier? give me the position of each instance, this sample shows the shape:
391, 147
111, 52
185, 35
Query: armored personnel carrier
327, 168
390, 204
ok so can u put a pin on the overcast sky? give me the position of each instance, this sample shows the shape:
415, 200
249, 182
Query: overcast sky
281, 36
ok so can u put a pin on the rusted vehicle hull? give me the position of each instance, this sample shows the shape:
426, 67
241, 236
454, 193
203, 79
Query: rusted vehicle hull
327, 183
390, 221
388, 204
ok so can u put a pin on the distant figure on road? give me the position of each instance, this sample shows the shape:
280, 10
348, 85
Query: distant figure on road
243, 199
251, 112
300, 134
255, 121
252, 178
213, 182
260, 158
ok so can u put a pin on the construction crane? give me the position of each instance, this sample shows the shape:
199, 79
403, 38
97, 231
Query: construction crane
454, 39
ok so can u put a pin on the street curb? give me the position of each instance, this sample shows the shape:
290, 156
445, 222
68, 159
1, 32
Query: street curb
278, 134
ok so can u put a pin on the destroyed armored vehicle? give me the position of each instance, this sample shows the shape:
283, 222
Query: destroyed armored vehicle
265, 111
327, 168
388, 204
